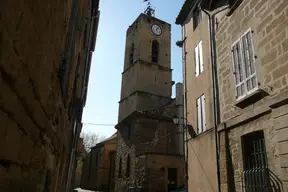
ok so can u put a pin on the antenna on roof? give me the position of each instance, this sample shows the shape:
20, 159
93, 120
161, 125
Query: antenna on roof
149, 10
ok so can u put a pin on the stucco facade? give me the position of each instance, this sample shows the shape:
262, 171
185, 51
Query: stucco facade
44, 72
201, 155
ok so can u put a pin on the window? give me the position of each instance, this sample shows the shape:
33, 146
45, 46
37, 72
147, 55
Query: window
120, 168
131, 55
155, 51
197, 17
129, 131
198, 53
201, 114
96, 160
255, 174
128, 167
244, 66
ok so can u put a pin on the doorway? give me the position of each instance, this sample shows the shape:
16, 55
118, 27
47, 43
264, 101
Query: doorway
172, 179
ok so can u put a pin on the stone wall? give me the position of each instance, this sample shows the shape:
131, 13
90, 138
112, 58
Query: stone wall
267, 112
148, 136
35, 150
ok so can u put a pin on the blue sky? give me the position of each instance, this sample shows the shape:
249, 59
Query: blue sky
107, 62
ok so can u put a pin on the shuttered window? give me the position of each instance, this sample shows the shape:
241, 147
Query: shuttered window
201, 114
244, 66
198, 54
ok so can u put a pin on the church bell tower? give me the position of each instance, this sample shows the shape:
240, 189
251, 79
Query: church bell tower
147, 74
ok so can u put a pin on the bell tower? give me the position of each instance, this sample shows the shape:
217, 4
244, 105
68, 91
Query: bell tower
147, 74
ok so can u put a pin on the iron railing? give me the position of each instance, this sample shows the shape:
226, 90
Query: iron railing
256, 176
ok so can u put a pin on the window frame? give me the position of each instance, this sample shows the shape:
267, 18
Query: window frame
196, 10
198, 58
155, 50
246, 92
202, 112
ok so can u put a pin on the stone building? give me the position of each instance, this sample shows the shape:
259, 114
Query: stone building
149, 146
99, 166
46, 51
251, 59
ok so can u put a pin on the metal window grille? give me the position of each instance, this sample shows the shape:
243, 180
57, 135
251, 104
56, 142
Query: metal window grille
255, 176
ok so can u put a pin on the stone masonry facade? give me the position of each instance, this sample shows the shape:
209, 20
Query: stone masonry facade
43, 80
265, 109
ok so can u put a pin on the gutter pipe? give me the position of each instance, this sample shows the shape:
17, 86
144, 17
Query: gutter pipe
215, 87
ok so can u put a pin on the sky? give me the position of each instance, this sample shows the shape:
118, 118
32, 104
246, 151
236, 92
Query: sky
101, 110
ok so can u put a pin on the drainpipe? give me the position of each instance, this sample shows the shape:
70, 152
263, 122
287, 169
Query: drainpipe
215, 87
186, 111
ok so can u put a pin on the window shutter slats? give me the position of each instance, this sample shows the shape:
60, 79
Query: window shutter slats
244, 65
196, 61
201, 57
199, 122
203, 112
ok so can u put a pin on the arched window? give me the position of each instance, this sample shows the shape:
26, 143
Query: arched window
131, 54
120, 168
155, 51
128, 167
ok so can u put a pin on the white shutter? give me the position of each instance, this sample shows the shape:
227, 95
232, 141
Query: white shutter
203, 112
238, 69
199, 119
201, 57
196, 60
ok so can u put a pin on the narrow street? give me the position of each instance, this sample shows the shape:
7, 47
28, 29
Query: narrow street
144, 96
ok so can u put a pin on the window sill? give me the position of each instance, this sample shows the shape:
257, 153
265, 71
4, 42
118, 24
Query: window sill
251, 98
233, 7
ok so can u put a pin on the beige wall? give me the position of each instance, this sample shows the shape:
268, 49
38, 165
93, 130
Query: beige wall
202, 84
201, 150
202, 163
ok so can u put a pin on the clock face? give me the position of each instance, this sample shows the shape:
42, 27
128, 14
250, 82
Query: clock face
156, 29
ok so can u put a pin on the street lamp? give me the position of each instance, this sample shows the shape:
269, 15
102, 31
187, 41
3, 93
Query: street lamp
175, 120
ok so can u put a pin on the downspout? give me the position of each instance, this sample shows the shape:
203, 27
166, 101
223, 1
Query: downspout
186, 112
215, 87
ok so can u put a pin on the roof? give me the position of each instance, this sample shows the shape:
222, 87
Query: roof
189, 5
106, 140
156, 113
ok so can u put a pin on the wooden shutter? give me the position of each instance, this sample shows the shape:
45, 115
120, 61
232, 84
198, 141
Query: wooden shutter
199, 119
238, 69
196, 60
203, 112
249, 62
201, 57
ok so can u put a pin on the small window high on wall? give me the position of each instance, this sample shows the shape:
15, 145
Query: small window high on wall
128, 167
120, 168
155, 51
131, 54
